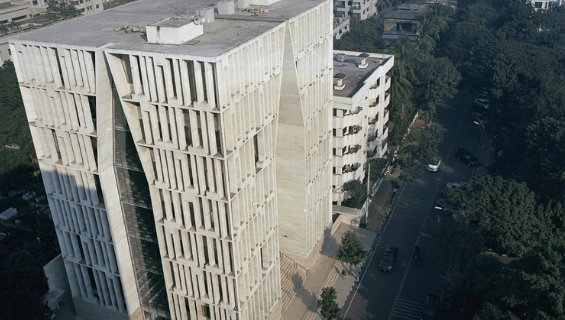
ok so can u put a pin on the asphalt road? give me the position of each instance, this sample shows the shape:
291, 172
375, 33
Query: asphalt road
399, 295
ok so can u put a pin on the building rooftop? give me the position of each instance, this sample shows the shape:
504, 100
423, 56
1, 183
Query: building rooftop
407, 12
226, 32
4, 5
353, 76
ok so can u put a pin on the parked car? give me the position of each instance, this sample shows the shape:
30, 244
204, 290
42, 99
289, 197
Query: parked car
431, 305
453, 185
484, 103
389, 258
434, 165
467, 157
479, 118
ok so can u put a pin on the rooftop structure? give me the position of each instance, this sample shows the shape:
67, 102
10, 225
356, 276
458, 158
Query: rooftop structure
360, 115
404, 21
157, 126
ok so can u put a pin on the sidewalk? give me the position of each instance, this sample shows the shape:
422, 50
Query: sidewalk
326, 270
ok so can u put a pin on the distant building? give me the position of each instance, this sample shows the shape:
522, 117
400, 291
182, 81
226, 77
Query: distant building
8, 213
344, 10
404, 21
360, 115
546, 4
85, 7
13, 11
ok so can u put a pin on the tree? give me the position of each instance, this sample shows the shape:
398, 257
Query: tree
60, 10
545, 139
22, 287
327, 305
351, 250
357, 192
500, 214
420, 147
435, 76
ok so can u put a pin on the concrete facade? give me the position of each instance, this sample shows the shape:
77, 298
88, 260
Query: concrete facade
360, 115
177, 168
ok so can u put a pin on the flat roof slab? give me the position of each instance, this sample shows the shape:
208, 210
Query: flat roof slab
225, 33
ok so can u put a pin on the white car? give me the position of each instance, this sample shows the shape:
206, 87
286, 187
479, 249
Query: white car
434, 165
453, 185
479, 118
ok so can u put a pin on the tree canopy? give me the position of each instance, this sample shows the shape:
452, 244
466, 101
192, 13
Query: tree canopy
502, 213
351, 250
329, 309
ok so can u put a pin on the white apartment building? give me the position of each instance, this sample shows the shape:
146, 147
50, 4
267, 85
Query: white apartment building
360, 114
86, 7
181, 150
344, 10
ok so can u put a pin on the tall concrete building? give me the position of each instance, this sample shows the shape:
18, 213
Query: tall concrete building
360, 115
181, 150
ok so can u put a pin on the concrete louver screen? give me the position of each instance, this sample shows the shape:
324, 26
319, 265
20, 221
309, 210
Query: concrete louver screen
182, 152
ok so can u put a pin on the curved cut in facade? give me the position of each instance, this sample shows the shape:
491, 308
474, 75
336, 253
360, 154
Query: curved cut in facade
172, 171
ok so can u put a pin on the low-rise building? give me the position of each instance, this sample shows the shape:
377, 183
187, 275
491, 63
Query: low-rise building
13, 11
546, 4
404, 21
360, 115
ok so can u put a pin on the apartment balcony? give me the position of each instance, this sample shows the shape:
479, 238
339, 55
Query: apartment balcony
353, 111
387, 99
353, 149
355, 129
387, 83
374, 120
340, 4
386, 116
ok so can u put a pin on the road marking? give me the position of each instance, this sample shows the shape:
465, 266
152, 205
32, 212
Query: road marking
403, 281
373, 253
407, 309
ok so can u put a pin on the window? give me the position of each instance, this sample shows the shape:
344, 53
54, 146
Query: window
335, 132
335, 152
34, 2
206, 311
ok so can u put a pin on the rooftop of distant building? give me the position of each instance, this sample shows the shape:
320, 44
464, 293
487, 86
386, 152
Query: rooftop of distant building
407, 11
352, 76
226, 32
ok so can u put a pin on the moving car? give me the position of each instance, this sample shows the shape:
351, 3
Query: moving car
389, 258
416, 252
434, 165
431, 305
466, 157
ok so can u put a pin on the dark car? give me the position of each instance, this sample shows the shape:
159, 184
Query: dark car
416, 253
389, 258
466, 157
431, 305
